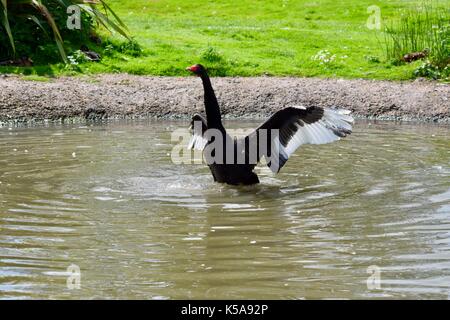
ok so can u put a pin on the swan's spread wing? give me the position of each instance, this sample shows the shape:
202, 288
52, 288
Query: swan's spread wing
300, 125
198, 128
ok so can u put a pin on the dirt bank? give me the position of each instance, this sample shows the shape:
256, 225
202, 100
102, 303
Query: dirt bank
117, 96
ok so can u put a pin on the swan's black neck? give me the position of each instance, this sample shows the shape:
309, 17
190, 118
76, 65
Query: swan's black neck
212, 109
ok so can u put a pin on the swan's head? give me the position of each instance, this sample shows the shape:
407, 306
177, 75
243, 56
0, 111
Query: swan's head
197, 69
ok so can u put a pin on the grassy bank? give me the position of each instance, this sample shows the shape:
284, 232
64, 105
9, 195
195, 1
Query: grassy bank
282, 37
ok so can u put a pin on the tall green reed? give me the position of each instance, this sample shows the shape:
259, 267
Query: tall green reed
426, 27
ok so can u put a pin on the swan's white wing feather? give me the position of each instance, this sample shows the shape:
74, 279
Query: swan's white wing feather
299, 125
198, 128
197, 143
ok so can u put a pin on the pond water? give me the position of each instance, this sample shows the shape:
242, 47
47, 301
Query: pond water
108, 200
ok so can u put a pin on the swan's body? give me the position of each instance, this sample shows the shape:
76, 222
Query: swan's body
282, 134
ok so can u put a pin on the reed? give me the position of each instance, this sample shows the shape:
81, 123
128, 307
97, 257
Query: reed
424, 28
25, 17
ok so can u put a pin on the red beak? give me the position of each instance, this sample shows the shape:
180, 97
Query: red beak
192, 68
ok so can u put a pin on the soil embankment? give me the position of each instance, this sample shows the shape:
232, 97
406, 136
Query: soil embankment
127, 96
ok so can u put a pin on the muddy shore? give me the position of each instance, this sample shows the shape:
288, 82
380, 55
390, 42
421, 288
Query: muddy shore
127, 96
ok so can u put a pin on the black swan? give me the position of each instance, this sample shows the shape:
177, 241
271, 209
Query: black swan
232, 160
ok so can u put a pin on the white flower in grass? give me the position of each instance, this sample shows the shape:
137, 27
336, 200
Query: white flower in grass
324, 57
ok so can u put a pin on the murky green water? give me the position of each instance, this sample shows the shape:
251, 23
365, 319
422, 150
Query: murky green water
108, 199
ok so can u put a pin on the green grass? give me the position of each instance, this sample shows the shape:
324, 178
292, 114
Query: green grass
251, 38
37, 78
427, 28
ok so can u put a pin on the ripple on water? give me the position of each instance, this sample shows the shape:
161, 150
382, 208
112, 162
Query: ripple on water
136, 224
